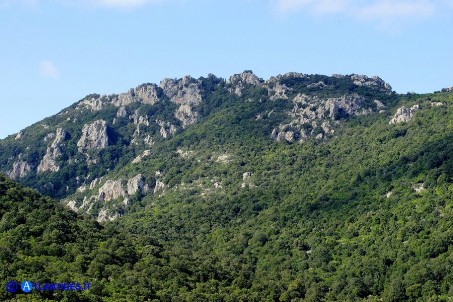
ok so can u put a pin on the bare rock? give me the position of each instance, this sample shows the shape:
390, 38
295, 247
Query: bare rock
110, 190
122, 112
377, 82
94, 136
136, 184
20, 169
246, 175
166, 128
91, 103
48, 163
404, 114
278, 91
182, 91
185, 114
104, 215
139, 158
239, 81
160, 186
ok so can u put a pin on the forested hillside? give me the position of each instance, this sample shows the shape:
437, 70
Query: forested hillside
298, 188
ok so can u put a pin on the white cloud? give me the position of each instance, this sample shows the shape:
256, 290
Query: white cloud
48, 69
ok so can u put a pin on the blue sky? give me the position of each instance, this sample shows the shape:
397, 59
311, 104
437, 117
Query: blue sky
54, 52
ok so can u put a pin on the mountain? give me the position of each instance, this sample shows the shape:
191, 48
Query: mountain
297, 188
68, 154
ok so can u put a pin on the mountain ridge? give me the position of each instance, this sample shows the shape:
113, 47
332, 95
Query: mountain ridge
240, 206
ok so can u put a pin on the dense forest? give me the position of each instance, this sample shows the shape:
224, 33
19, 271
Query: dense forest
362, 214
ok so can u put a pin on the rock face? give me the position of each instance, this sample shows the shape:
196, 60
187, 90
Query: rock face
94, 136
166, 129
20, 169
404, 114
362, 80
48, 163
185, 114
313, 116
110, 190
145, 94
136, 184
239, 81
447, 89
183, 91
139, 158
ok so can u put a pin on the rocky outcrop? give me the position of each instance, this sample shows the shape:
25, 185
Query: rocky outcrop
122, 112
20, 169
111, 189
182, 91
166, 128
241, 80
185, 114
136, 184
94, 136
48, 163
376, 82
447, 89
278, 91
404, 114
139, 158
160, 186
313, 116
145, 94
105, 215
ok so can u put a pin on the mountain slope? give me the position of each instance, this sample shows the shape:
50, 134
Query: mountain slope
298, 188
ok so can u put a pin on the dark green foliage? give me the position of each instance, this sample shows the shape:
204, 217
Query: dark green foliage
366, 215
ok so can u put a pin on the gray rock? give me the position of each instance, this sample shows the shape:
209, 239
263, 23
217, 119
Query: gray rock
20, 169
404, 114
136, 184
239, 81
111, 189
185, 114
160, 186
48, 163
182, 91
122, 112
94, 136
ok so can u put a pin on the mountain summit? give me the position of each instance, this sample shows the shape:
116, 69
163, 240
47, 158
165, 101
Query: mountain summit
296, 188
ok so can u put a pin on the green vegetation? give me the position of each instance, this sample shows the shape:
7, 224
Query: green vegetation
366, 215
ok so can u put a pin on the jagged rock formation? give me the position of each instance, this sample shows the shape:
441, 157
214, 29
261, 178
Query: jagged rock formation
145, 94
404, 114
112, 189
314, 117
137, 121
450, 89
139, 158
94, 136
183, 91
185, 114
20, 169
48, 163
166, 128
136, 184
362, 80
239, 81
